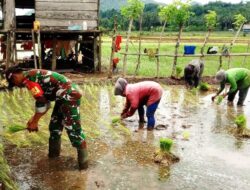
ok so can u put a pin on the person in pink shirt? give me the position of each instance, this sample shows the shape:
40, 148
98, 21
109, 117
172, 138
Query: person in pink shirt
137, 95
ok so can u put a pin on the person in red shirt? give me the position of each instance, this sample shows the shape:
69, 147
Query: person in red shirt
137, 95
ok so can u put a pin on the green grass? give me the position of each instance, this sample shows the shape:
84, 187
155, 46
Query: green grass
148, 66
204, 86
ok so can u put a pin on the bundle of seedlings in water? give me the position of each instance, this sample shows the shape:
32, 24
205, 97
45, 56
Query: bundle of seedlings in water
204, 86
16, 128
219, 100
241, 122
164, 155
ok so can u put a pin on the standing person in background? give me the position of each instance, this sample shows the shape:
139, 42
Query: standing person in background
193, 73
46, 86
238, 79
137, 95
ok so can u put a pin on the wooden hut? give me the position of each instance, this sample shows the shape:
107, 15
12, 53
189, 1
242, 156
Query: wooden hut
61, 21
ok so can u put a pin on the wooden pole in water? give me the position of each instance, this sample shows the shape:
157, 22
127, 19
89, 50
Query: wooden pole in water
34, 48
139, 55
112, 49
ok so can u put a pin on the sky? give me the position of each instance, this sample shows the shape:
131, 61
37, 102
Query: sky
206, 1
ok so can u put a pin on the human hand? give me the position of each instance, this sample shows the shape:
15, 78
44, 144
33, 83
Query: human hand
213, 97
32, 125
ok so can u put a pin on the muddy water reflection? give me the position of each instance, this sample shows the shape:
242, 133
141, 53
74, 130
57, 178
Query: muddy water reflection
212, 158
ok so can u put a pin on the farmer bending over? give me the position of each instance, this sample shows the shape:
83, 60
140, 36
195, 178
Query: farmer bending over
238, 79
137, 95
193, 72
47, 86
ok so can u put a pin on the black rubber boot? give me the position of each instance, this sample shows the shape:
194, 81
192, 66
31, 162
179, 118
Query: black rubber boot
54, 147
82, 156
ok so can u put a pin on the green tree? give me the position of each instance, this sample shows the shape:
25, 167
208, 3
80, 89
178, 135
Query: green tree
132, 11
211, 21
180, 14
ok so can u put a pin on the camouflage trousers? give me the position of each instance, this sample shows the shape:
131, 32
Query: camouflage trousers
66, 115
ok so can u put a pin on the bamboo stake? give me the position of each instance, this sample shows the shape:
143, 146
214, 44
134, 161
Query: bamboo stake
245, 58
205, 42
112, 49
176, 51
139, 53
8, 51
34, 47
158, 49
126, 47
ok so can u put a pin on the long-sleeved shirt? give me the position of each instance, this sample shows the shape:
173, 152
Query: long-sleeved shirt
237, 78
142, 93
46, 86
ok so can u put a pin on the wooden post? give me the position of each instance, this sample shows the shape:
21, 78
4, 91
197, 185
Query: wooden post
8, 50
12, 47
176, 51
245, 58
126, 47
100, 54
9, 14
158, 49
139, 53
205, 42
95, 53
39, 48
112, 49
232, 44
34, 48
53, 68
220, 61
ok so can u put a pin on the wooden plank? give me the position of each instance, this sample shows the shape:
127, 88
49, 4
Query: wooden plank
76, 15
41, 6
9, 14
91, 24
71, 1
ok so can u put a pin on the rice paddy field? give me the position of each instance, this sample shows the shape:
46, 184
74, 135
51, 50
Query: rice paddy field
203, 136
148, 65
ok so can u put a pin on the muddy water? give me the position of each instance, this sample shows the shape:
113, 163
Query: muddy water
211, 156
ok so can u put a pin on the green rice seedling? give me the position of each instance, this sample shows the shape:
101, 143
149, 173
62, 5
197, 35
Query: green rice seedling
204, 86
116, 119
219, 100
16, 128
241, 121
166, 144
5, 172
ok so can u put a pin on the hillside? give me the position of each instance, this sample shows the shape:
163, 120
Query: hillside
109, 4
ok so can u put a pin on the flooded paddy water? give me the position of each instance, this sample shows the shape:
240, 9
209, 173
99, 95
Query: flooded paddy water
121, 157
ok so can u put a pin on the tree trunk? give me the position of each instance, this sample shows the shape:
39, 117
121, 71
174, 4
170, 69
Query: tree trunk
158, 49
139, 55
126, 47
232, 44
205, 42
112, 49
176, 51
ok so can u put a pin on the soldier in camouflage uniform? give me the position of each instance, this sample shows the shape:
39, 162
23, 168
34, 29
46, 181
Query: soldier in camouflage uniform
47, 86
